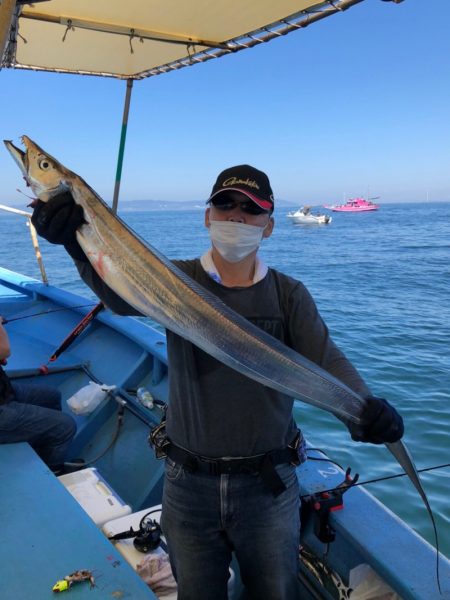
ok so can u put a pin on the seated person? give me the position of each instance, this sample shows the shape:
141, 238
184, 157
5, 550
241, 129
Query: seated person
32, 413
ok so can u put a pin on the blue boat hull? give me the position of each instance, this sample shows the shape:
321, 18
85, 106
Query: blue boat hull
128, 353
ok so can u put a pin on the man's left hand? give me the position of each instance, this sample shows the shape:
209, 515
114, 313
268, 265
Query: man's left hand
382, 425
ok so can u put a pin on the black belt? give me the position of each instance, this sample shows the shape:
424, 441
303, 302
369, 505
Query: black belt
263, 464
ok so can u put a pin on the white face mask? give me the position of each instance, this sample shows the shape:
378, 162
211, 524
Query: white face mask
234, 241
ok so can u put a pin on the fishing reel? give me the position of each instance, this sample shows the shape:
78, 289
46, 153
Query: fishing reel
148, 536
321, 504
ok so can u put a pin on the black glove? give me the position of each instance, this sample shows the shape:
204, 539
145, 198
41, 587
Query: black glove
57, 221
382, 423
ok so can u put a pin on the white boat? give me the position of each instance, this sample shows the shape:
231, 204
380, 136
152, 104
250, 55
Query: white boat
304, 216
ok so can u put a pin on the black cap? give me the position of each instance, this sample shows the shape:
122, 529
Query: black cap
249, 181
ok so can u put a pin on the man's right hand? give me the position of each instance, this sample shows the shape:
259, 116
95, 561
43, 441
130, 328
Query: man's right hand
58, 220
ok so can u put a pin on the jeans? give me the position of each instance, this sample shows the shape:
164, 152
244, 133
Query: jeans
207, 517
36, 417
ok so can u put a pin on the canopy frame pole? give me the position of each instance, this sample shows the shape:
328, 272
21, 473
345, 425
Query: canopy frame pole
34, 238
123, 135
7, 8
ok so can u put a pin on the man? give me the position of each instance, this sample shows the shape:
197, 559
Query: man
32, 413
230, 483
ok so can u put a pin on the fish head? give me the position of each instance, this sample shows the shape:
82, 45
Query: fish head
43, 173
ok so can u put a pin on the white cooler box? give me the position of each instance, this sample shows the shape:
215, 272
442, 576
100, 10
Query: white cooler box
95, 495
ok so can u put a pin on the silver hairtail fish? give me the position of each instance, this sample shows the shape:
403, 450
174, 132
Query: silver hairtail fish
150, 283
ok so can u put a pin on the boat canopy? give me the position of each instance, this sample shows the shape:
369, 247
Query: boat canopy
134, 39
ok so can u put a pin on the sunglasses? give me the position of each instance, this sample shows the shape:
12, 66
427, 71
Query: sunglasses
248, 206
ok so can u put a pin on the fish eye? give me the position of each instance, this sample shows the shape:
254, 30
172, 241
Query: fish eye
44, 164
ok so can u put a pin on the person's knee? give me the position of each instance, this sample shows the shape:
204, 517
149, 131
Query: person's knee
68, 425
55, 398
48, 396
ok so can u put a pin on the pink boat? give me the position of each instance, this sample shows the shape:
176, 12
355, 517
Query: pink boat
355, 205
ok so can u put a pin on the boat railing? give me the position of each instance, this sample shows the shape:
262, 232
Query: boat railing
34, 238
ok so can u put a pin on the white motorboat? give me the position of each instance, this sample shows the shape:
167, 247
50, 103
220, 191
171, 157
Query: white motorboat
304, 216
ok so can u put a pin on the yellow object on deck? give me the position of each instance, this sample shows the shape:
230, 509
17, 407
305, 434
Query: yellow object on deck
61, 586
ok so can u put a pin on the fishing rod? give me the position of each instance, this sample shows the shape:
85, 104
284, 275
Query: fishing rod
378, 479
76, 331
45, 312
326, 500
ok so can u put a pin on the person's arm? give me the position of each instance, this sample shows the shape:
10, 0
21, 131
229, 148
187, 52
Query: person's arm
5, 349
57, 221
310, 336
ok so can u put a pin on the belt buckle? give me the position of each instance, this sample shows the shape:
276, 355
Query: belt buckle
213, 466
220, 467
226, 468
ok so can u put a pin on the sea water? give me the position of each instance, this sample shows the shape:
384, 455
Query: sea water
381, 281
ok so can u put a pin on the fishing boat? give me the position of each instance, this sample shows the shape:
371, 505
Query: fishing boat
58, 529
354, 205
344, 530
304, 216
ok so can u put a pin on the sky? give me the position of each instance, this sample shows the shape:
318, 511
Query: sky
356, 104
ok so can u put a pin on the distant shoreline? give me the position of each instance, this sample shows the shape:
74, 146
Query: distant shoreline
158, 206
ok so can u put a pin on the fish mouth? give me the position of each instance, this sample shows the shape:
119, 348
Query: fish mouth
25, 161
18, 155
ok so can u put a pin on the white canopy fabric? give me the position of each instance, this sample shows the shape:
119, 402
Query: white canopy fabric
132, 39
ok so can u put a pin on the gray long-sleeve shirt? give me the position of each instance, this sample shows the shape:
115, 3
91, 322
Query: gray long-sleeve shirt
216, 411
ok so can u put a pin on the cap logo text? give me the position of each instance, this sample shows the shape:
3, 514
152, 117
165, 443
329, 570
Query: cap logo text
251, 183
